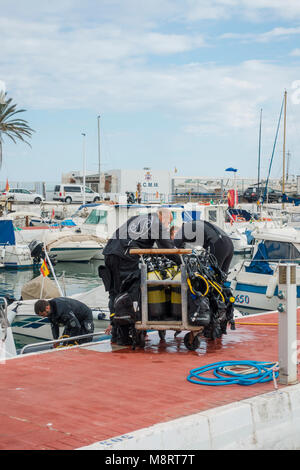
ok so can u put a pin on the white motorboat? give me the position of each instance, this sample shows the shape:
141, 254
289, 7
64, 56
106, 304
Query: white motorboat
13, 255
255, 282
69, 246
105, 219
25, 322
63, 242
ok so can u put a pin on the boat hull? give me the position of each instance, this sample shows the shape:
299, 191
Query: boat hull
74, 254
39, 328
253, 296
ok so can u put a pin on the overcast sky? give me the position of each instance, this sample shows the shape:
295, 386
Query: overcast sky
178, 83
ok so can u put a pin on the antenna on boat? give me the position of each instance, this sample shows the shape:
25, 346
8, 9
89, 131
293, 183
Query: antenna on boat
259, 154
99, 155
274, 146
52, 270
284, 143
84, 165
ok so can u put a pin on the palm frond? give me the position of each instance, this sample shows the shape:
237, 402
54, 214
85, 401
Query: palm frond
12, 126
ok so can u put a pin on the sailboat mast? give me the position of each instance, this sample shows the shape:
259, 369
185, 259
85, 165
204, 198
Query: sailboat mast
99, 155
259, 152
284, 143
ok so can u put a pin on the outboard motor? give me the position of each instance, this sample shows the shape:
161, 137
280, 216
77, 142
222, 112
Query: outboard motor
130, 198
36, 248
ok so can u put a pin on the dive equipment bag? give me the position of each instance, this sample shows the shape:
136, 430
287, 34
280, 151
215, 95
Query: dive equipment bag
124, 310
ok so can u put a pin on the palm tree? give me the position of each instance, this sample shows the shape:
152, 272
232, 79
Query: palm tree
11, 126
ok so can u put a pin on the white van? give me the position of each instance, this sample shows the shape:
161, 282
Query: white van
74, 193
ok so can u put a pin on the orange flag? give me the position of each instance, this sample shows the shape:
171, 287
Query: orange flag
7, 186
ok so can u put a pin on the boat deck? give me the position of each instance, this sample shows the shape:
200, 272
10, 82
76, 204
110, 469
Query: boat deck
68, 399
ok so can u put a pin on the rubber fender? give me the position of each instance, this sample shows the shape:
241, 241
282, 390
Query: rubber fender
271, 287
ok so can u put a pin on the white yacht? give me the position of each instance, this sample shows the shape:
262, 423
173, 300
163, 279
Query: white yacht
13, 255
255, 282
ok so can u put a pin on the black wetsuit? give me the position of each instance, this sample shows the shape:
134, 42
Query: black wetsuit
210, 237
138, 232
75, 316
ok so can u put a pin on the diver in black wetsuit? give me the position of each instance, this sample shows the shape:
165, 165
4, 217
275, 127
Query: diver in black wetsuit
75, 316
209, 236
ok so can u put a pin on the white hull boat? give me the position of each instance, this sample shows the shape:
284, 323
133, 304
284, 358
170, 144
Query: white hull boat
69, 246
25, 322
13, 255
255, 283
239, 240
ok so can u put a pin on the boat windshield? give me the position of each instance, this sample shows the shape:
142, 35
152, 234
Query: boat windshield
97, 217
281, 251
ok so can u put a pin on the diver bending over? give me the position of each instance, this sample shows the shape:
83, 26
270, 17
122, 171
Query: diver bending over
210, 237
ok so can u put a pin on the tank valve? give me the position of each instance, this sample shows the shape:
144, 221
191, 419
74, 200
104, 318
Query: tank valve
281, 295
281, 308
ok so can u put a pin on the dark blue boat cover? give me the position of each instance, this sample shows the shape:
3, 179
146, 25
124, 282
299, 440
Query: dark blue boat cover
7, 233
259, 264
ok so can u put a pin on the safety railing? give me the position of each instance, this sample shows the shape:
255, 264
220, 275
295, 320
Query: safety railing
62, 340
4, 324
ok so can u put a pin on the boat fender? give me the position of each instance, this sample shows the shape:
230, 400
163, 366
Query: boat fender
271, 287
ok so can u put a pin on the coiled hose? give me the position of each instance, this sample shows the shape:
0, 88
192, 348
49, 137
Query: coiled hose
235, 372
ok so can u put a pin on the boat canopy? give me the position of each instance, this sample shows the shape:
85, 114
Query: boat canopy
97, 216
238, 214
270, 251
259, 263
7, 233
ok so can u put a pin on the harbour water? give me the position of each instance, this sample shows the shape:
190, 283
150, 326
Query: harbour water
73, 278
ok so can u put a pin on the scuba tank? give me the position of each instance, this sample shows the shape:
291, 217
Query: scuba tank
175, 308
158, 300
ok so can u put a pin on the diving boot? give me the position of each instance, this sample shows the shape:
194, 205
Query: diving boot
123, 336
114, 334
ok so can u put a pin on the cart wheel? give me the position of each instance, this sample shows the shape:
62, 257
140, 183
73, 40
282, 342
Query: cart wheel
162, 334
192, 346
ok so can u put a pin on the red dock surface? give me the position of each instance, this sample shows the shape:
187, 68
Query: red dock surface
72, 398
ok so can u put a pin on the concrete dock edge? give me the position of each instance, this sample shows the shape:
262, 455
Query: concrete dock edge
268, 421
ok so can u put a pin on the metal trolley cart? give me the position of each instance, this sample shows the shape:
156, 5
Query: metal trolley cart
191, 339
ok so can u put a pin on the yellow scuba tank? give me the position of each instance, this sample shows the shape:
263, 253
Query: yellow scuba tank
175, 309
158, 301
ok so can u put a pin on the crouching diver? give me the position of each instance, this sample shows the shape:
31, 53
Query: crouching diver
142, 232
75, 316
210, 237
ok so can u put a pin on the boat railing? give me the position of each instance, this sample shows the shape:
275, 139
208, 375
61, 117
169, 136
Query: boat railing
4, 323
62, 340
269, 260
274, 261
